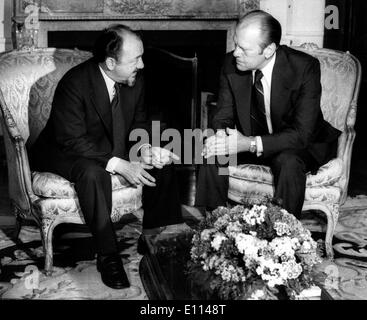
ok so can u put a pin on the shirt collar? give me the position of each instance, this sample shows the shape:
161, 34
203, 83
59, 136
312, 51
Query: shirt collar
109, 82
268, 69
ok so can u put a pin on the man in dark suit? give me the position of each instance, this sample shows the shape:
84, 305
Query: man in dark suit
268, 112
95, 107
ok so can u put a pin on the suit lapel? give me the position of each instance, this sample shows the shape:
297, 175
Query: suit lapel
127, 103
281, 85
100, 99
241, 83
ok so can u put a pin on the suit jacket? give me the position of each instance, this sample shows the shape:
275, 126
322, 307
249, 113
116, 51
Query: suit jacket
296, 115
80, 123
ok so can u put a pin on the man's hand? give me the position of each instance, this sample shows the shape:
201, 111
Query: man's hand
156, 156
146, 154
134, 172
225, 144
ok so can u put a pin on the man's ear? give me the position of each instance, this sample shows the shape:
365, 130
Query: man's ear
270, 50
110, 63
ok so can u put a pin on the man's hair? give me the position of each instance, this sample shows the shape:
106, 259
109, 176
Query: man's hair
270, 27
110, 42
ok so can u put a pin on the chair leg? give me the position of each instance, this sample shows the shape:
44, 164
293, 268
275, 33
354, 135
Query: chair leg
47, 228
19, 214
332, 214
18, 227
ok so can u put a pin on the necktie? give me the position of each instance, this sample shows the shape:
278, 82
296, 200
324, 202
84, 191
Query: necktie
116, 98
259, 125
117, 124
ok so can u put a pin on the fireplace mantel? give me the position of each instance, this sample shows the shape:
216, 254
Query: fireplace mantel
74, 15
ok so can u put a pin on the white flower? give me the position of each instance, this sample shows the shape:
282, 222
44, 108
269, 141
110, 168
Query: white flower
270, 272
204, 255
256, 215
306, 245
221, 222
245, 243
295, 243
233, 229
257, 295
217, 241
282, 228
283, 246
251, 248
206, 233
291, 269
228, 272
275, 282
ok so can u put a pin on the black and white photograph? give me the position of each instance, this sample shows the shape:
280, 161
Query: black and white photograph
181, 156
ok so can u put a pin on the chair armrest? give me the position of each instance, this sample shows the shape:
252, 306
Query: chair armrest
10, 124
345, 147
20, 183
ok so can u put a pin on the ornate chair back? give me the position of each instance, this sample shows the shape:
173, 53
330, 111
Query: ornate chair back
28, 81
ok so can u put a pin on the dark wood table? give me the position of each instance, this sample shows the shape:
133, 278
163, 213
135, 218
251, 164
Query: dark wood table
164, 274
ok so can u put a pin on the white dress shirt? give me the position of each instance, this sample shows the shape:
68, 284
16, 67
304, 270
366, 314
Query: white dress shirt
267, 72
110, 84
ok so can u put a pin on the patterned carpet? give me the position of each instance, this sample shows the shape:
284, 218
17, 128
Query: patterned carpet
347, 274
76, 277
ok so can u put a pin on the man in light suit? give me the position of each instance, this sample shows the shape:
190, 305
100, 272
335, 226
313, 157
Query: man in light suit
268, 112
95, 107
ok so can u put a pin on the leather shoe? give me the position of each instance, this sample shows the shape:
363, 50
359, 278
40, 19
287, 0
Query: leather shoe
112, 271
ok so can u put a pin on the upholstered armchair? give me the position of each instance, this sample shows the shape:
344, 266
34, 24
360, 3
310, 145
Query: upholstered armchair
327, 190
27, 84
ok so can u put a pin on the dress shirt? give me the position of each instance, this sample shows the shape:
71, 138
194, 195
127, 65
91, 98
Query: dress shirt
266, 82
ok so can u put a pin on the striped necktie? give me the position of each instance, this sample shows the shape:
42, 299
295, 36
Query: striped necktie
259, 124
116, 98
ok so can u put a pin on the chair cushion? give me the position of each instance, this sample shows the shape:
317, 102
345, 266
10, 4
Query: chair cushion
50, 185
124, 201
327, 175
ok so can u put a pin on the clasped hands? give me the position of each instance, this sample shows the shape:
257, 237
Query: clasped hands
225, 142
151, 157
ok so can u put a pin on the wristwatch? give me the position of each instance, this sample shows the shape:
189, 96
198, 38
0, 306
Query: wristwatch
253, 145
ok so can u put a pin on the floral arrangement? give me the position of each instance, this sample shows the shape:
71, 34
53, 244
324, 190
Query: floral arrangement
254, 252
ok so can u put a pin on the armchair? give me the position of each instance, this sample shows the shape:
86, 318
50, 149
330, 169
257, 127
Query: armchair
28, 81
327, 190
